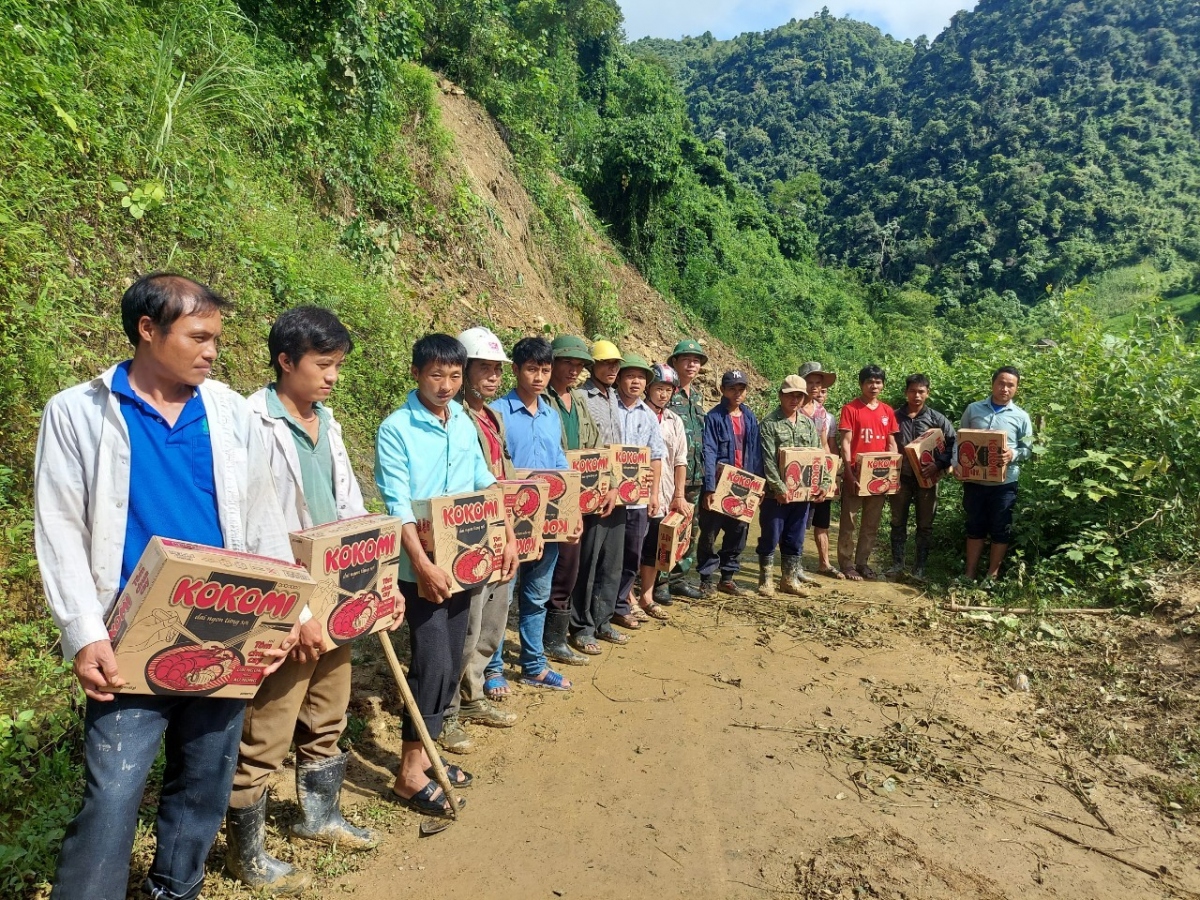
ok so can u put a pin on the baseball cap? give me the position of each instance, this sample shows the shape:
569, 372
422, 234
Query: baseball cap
732, 377
793, 384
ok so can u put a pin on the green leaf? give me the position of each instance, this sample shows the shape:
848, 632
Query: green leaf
65, 116
118, 185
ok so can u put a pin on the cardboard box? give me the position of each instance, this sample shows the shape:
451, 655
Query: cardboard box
979, 455
836, 491
674, 539
738, 493
563, 518
355, 563
878, 473
595, 476
464, 535
525, 506
631, 473
921, 452
196, 621
807, 473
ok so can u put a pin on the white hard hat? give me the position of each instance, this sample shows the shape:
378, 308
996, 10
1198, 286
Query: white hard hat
482, 344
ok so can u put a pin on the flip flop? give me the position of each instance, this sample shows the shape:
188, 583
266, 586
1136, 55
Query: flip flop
590, 647
428, 801
868, 573
496, 688
550, 680
628, 622
852, 574
613, 637
831, 572
655, 611
454, 773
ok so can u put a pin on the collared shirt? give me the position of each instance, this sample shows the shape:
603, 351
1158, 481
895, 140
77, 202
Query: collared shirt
315, 458
568, 417
417, 456
1012, 420
587, 435
534, 440
174, 494
777, 431
602, 404
675, 440
912, 427
640, 428
689, 407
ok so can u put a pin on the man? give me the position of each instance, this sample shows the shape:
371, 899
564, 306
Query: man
687, 359
579, 432
916, 419
201, 476
866, 425
818, 382
428, 448
601, 552
783, 522
639, 428
306, 699
534, 442
730, 437
989, 507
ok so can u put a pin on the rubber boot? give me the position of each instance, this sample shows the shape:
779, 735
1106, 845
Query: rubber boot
247, 860
918, 571
662, 593
554, 638
318, 790
897, 568
766, 575
794, 578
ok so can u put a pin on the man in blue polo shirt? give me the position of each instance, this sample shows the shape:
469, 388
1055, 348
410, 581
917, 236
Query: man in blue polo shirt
534, 434
202, 476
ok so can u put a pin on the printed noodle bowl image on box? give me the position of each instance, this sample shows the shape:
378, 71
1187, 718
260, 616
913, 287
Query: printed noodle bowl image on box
362, 557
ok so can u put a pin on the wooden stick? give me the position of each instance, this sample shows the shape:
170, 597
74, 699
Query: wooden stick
1027, 611
410, 704
1156, 874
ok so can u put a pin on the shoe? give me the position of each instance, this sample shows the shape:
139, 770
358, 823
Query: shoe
485, 713
554, 639
684, 589
247, 860
454, 738
766, 575
707, 587
918, 570
662, 594
318, 791
728, 587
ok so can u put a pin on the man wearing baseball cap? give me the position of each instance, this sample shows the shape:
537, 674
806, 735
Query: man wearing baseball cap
818, 382
687, 359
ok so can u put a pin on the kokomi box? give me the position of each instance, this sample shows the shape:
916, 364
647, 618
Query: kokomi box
922, 452
525, 505
981, 454
807, 473
738, 492
631, 473
878, 473
464, 535
356, 565
595, 476
197, 621
674, 540
563, 518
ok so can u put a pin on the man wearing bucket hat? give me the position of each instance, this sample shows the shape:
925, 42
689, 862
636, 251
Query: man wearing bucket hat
818, 383
687, 359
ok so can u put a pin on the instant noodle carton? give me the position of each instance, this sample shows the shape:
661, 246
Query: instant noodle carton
674, 539
355, 563
563, 518
878, 473
631, 473
807, 473
464, 535
738, 492
595, 476
979, 455
921, 452
197, 621
525, 505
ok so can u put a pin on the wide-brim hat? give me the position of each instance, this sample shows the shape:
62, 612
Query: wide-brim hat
688, 347
829, 379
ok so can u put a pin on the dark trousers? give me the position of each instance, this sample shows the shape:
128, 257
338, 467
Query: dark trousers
925, 499
437, 633
989, 509
783, 526
601, 554
566, 573
121, 741
637, 522
692, 494
733, 542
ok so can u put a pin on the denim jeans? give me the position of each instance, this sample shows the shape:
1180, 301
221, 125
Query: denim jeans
533, 593
121, 741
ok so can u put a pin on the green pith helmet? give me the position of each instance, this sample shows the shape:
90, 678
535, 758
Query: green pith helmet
634, 361
567, 346
688, 346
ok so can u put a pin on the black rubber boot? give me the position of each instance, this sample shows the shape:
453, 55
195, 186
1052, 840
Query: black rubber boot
897, 568
662, 593
554, 638
318, 790
247, 860
922, 558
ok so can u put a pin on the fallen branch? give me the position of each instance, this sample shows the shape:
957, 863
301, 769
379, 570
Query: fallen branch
1157, 874
1028, 611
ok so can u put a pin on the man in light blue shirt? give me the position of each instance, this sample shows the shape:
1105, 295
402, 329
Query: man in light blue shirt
989, 507
534, 434
429, 448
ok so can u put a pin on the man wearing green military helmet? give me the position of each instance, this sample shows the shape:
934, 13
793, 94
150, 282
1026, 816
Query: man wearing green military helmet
687, 359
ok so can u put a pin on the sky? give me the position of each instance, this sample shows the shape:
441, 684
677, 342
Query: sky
726, 18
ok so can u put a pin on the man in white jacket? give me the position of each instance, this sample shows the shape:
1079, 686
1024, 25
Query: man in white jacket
202, 476
306, 700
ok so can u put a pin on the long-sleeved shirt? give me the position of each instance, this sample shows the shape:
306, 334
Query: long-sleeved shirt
602, 404
534, 440
777, 431
1010, 419
912, 427
689, 406
418, 457
639, 427
675, 440
586, 435
719, 447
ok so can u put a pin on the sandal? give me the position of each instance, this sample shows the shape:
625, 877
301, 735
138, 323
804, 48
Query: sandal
496, 688
655, 611
458, 776
852, 574
588, 645
430, 800
868, 573
640, 614
627, 622
613, 637
831, 572
550, 680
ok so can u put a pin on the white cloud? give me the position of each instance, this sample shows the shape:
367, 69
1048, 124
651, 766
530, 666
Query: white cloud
725, 18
